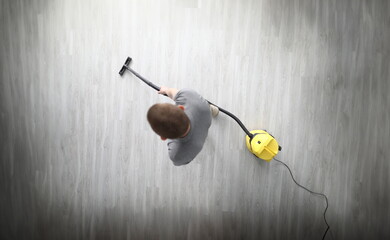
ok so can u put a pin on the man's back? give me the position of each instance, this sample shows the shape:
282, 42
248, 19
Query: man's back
184, 150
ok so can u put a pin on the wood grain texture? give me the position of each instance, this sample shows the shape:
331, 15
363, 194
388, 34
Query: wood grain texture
79, 160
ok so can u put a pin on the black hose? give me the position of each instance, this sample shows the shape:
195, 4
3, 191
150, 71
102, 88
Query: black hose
235, 118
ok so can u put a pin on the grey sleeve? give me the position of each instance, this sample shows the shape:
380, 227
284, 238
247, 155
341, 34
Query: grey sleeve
184, 95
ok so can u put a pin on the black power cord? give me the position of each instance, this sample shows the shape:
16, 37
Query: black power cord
323, 195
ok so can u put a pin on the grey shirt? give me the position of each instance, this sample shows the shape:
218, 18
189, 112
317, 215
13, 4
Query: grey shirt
184, 150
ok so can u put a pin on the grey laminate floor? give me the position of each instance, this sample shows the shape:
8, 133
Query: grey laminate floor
79, 160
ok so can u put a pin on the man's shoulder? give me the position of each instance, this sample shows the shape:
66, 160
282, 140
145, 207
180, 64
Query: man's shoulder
178, 159
186, 91
180, 152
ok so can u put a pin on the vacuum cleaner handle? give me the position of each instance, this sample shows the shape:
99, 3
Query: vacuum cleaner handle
144, 79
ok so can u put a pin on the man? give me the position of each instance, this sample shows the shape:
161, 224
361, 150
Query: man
185, 124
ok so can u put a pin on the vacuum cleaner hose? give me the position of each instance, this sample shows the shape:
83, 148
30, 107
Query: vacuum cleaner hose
250, 135
157, 88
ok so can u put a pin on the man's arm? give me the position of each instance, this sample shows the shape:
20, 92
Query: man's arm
171, 92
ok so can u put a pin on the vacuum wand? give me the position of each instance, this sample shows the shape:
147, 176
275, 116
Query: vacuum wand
126, 67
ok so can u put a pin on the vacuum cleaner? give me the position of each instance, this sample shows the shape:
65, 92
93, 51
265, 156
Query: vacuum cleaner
259, 142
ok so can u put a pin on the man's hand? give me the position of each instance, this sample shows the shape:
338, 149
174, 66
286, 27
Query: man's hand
171, 92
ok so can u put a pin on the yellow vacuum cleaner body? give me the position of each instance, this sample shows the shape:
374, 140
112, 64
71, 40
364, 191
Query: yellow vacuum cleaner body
263, 145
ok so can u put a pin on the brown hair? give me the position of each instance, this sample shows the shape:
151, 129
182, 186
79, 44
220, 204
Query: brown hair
168, 120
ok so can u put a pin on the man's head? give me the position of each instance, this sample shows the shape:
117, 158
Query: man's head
168, 120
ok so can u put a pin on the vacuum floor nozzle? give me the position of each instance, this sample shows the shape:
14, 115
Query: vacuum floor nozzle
125, 66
